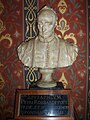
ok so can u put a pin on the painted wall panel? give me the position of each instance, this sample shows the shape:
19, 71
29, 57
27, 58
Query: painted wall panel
11, 70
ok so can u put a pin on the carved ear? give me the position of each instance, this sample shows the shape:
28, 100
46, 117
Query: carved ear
55, 24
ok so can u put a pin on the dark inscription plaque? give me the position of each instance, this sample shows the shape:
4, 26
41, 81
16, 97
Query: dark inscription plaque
44, 105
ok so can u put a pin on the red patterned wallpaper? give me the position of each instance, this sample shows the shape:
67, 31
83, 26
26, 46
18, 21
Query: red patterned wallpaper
73, 12
11, 72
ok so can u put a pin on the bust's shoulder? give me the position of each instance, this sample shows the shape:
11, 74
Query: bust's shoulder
67, 43
61, 40
30, 41
27, 43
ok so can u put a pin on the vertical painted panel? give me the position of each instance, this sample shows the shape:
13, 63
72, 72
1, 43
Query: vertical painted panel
30, 32
30, 16
11, 69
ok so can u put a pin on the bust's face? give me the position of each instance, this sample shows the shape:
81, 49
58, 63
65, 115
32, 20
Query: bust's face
46, 24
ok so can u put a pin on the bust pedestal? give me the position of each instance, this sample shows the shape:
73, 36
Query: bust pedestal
46, 81
44, 104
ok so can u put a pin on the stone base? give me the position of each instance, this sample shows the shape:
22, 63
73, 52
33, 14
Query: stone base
45, 84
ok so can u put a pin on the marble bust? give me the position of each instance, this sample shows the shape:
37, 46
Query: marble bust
47, 51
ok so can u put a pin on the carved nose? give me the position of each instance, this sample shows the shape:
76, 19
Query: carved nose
43, 28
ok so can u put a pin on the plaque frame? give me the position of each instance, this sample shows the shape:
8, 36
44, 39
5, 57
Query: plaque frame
20, 92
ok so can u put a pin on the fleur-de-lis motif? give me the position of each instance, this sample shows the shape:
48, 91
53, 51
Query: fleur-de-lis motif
62, 26
2, 27
1, 7
63, 80
62, 6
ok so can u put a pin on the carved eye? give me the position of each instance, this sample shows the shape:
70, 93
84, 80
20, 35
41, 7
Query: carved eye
39, 24
48, 23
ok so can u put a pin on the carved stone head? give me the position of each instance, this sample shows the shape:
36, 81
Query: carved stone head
46, 21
